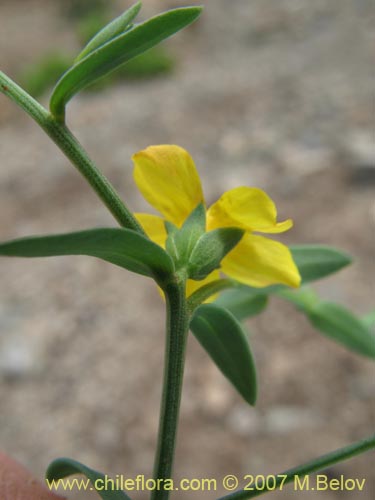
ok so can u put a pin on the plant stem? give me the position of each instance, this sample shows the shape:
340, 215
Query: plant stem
73, 150
175, 347
303, 470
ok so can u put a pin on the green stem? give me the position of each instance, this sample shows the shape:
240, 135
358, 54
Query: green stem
303, 470
175, 347
73, 150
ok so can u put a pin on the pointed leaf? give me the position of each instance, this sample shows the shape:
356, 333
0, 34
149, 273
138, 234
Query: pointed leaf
64, 467
243, 303
118, 51
210, 249
317, 261
114, 28
334, 320
304, 299
122, 247
341, 325
223, 338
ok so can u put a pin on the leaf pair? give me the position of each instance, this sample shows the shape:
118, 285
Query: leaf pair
218, 328
313, 261
115, 45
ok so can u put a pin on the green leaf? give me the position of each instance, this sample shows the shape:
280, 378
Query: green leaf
122, 247
180, 242
369, 320
64, 467
317, 261
210, 249
223, 338
118, 51
304, 298
313, 261
114, 28
243, 303
336, 322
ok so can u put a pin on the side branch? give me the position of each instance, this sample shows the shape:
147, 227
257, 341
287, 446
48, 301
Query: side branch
303, 470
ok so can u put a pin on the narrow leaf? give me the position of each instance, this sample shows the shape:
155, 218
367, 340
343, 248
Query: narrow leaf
118, 51
122, 247
114, 28
243, 303
316, 261
341, 325
64, 467
304, 299
210, 249
223, 338
313, 261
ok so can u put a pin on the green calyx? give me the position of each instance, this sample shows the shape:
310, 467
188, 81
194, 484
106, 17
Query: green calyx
197, 251
181, 242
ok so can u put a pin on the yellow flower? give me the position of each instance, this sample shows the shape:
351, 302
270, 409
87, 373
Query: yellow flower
168, 179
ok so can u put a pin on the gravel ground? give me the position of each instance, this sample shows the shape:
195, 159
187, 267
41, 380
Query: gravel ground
273, 94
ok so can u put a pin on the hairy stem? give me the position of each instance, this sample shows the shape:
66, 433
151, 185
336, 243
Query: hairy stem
73, 150
175, 347
303, 470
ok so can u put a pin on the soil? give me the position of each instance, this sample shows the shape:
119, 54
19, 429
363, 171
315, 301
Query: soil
277, 95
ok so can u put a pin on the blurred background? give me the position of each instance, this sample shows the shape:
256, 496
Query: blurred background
273, 94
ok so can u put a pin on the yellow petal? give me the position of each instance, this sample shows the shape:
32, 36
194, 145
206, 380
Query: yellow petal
246, 207
154, 227
167, 178
259, 262
192, 285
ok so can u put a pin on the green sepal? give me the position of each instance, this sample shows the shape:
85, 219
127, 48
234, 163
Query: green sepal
210, 250
114, 28
170, 227
317, 261
116, 52
180, 242
122, 247
65, 467
243, 303
223, 338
